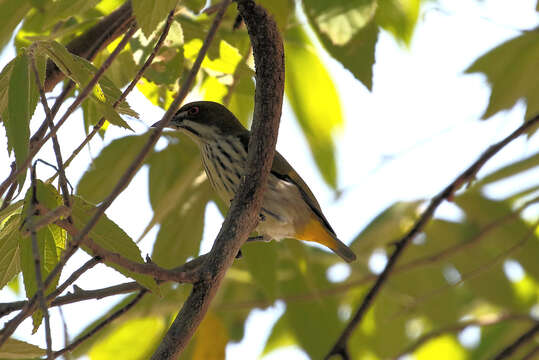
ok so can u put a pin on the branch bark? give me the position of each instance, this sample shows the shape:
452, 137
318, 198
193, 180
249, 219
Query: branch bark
243, 214
340, 347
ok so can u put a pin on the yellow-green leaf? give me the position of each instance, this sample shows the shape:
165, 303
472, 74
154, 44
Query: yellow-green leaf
211, 339
150, 13
314, 99
126, 342
511, 69
112, 238
111, 163
11, 14
19, 110
16, 349
399, 17
9, 250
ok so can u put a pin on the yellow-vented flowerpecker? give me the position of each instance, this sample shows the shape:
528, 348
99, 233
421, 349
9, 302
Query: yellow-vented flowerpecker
289, 208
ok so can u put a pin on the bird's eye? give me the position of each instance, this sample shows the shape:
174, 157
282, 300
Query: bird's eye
193, 111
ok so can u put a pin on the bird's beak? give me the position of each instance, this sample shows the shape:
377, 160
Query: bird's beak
157, 124
178, 116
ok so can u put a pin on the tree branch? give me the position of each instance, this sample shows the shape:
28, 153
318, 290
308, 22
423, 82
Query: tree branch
40, 291
521, 340
243, 214
340, 347
101, 325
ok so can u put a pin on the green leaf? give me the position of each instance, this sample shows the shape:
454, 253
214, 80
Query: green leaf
16, 349
174, 173
399, 17
111, 163
111, 237
211, 339
314, 322
261, 259
348, 32
280, 336
64, 9
385, 228
510, 70
104, 94
150, 13
11, 14
5, 76
9, 250
126, 343
316, 106
48, 260
11, 209
512, 169
242, 98
281, 10
21, 106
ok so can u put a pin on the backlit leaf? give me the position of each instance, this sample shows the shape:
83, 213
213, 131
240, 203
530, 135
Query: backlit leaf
150, 13
316, 106
211, 339
11, 14
112, 238
9, 250
126, 342
111, 163
399, 17
511, 70
16, 349
20, 109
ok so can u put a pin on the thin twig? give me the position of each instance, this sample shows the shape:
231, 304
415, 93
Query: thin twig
129, 88
55, 144
11, 191
101, 325
40, 292
11, 325
66, 331
340, 347
73, 277
150, 269
470, 274
521, 340
243, 214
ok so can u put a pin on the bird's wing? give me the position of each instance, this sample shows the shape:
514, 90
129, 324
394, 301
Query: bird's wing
284, 171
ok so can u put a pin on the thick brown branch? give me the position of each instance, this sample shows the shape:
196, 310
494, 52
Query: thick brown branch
340, 347
242, 217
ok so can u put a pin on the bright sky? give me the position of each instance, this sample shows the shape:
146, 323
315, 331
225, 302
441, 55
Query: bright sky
406, 140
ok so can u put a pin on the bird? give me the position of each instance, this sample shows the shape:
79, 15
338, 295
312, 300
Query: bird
289, 208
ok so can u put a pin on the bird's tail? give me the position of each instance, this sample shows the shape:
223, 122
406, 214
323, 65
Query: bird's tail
317, 232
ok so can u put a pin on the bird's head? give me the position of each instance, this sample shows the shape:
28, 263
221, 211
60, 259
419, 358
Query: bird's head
205, 120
